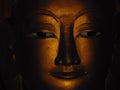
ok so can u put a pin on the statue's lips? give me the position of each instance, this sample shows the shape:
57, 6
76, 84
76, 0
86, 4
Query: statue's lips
68, 72
67, 75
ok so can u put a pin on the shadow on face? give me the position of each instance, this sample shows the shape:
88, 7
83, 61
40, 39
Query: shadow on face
63, 45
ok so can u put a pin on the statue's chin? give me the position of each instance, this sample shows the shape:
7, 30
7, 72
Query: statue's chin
68, 81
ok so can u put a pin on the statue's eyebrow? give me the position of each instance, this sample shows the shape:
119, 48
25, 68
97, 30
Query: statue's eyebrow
46, 12
49, 13
81, 13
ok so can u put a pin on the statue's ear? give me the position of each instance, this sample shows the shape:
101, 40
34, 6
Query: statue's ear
116, 53
8, 65
115, 65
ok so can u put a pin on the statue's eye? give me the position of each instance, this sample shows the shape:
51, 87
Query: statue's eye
41, 35
88, 34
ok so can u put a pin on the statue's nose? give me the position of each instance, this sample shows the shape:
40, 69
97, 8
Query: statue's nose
67, 54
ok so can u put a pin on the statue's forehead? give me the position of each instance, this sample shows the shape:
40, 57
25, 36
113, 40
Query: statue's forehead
58, 7
65, 11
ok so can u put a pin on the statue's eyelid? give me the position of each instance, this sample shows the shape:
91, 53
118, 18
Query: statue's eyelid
31, 35
41, 35
89, 33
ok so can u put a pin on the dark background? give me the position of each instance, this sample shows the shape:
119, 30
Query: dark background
6, 6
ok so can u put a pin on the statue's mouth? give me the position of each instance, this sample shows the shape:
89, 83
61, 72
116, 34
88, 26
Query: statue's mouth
68, 72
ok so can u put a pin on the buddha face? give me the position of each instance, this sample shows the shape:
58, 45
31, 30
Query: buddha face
62, 46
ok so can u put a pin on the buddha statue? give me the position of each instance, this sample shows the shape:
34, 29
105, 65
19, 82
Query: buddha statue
63, 44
